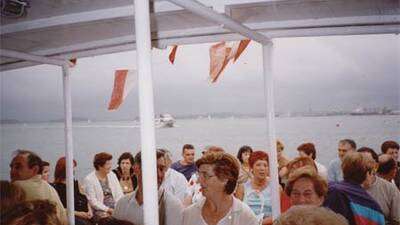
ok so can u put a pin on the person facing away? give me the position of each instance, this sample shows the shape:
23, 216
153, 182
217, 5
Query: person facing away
130, 207
26, 169
348, 197
335, 170
308, 149
124, 172
35, 212
218, 174
45, 171
102, 187
186, 165
83, 212
392, 148
310, 215
10, 195
383, 192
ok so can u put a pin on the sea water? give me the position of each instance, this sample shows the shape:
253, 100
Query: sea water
47, 139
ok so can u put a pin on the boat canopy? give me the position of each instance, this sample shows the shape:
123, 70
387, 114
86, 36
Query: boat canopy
72, 29
55, 31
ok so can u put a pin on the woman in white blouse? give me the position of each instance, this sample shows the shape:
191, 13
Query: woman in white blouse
218, 174
102, 187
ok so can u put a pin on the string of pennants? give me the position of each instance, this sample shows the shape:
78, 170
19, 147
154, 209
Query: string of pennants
220, 55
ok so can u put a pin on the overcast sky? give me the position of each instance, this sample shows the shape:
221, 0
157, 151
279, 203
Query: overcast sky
318, 73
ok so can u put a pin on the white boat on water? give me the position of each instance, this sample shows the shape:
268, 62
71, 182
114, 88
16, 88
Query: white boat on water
165, 120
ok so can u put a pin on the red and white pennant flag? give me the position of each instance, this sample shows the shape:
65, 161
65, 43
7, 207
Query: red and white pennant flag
123, 84
220, 55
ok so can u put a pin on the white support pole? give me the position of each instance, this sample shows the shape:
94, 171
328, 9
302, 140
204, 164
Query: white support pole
205, 12
270, 119
68, 144
146, 108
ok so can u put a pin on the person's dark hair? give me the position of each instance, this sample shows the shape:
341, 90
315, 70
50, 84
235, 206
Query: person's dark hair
126, 155
370, 151
45, 163
389, 144
243, 149
123, 156
187, 146
100, 159
355, 167
59, 170
351, 142
37, 212
138, 156
10, 195
309, 149
258, 155
225, 165
33, 159
386, 165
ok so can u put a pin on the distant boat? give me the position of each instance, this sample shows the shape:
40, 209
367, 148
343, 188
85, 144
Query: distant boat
165, 120
362, 112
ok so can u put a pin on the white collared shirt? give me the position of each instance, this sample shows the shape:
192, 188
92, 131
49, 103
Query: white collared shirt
175, 183
239, 214
127, 208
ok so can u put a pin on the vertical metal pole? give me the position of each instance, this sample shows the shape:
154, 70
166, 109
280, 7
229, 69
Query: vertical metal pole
146, 107
270, 118
68, 144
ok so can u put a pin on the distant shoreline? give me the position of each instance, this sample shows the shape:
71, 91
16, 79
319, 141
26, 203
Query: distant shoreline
210, 116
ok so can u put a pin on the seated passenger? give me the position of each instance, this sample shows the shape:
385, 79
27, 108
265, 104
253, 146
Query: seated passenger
130, 207
218, 174
45, 171
243, 156
83, 212
26, 169
305, 187
10, 195
257, 191
308, 149
102, 187
348, 198
124, 173
310, 215
36, 212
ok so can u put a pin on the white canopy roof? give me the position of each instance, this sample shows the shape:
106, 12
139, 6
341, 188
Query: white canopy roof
78, 28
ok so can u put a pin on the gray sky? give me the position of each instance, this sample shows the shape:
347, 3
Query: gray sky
321, 73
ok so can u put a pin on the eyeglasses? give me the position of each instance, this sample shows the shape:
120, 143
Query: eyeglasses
204, 175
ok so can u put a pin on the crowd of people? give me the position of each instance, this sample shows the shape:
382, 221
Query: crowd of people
359, 187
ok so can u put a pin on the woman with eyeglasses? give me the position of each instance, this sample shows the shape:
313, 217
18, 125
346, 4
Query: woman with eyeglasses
218, 175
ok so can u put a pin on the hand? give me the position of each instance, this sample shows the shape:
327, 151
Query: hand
110, 211
81, 214
89, 214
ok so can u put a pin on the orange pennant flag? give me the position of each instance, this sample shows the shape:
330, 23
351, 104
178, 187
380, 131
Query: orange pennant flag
123, 84
73, 61
219, 54
242, 46
172, 54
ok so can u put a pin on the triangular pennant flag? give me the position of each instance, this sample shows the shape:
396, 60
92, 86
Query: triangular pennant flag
219, 54
242, 46
172, 54
123, 84
73, 61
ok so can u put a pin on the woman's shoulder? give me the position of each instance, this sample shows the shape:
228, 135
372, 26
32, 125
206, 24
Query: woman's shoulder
243, 212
